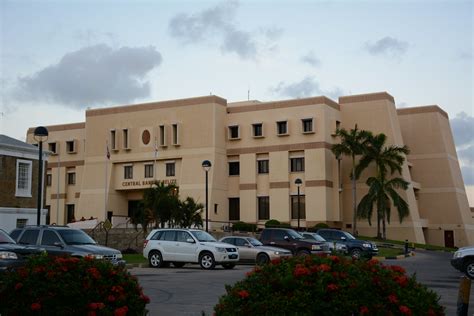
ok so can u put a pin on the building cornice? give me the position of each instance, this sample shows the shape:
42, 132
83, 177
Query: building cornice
61, 127
366, 97
284, 104
422, 110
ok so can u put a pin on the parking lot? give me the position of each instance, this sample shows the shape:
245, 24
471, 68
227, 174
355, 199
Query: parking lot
191, 291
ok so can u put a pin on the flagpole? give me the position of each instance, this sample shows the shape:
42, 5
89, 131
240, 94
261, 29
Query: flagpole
154, 161
107, 157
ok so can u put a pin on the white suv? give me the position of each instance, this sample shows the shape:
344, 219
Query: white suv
180, 246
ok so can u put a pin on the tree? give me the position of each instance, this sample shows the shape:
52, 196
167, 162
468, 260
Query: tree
142, 216
189, 213
382, 189
352, 144
162, 201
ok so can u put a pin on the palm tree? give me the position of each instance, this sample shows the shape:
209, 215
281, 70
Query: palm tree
162, 201
352, 144
380, 188
189, 213
142, 216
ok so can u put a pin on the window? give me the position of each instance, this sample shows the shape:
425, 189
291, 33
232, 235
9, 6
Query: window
294, 207
148, 171
182, 236
20, 223
71, 178
297, 164
234, 209
70, 217
52, 147
162, 136
175, 134
23, 178
49, 238
168, 235
49, 179
29, 237
263, 166
126, 144
71, 146
263, 208
113, 140
282, 128
234, 168
234, 132
128, 172
170, 169
307, 125
257, 130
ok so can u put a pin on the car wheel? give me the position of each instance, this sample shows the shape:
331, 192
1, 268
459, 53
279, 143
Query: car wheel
262, 258
178, 264
155, 260
206, 260
303, 253
356, 253
228, 266
469, 268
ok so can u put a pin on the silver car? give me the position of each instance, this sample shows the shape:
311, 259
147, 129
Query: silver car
336, 246
253, 251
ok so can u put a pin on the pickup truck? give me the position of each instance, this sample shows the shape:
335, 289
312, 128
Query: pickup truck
291, 240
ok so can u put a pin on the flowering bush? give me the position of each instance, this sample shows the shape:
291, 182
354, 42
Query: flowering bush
315, 285
70, 286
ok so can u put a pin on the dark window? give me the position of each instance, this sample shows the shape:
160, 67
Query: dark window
148, 171
234, 168
49, 238
15, 233
233, 132
71, 178
229, 241
29, 237
170, 169
162, 136
282, 128
296, 164
175, 134
257, 130
263, 166
52, 148
240, 242
70, 213
128, 172
294, 207
263, 208
307, 125
113, 143
49, 179
168, 235
157, 235
279, 234
234, 209
125, 138
70, 146
182, 236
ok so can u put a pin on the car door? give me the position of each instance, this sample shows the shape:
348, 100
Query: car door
167, 245
184, 250
51, 242
247, 252
278, 240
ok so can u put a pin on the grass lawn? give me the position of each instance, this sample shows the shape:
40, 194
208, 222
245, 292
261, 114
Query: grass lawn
411, 245
134, 258
389, 252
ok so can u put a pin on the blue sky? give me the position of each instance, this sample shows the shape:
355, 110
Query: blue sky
59, 57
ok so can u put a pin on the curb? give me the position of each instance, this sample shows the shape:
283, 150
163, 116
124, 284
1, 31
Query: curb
396, 257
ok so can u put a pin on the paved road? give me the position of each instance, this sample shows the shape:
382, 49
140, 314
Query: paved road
190, 290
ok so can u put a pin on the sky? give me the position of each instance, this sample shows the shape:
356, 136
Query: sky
58, 58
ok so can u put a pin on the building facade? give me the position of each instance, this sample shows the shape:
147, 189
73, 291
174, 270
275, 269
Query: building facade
19, 184
258, 150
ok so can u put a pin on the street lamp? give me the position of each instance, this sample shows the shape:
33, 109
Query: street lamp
298, 183
206, 165
40, 135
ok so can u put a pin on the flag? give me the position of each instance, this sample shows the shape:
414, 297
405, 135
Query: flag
107, 150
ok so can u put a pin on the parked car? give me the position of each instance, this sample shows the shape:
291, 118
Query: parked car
181, 246
63, 240
293, 241
333, 246
253, 251
463, 260
357, 248
13, 255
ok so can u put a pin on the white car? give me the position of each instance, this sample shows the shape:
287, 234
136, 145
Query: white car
252, 250
181, 246
463, 260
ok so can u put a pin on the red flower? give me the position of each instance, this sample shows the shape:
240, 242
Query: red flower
145, 298
324, 267
111, 298
397, 269
372, 262
91, 313
35, 306
300, 271
334, 259
93, 306
332, 287
100, 305
95, 273
405, 310
243, 294
122, 311
392, 298
276, 261
364, 310
18, 286
431, 312
401, 280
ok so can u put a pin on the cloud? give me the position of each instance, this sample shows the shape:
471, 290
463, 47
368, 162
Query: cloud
387, 46
218, 24
468, 175
463, 129
467, 154
311, 59
92, 75
307, 87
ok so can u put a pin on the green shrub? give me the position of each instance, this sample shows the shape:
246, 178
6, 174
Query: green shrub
70, 286
315, 285
244, 227
276, 223
320, 225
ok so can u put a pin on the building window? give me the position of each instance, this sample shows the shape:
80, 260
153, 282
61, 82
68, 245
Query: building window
263, 208
71, 146
49, 179
263, 166
23, 178
294, 207
71, 178
21, 222
297, 164
52, 147
234, 168
170, 169
70, 217
282, 128
148, 171
234, 209
175, 134
113, 139
234, 132
162, 136
307, 125
126, 144
128, 172
257, 130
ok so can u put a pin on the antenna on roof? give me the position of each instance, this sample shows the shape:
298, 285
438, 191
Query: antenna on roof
248, 95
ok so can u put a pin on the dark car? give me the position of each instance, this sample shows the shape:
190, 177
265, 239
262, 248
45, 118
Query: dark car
63, 240
290, 239
357, 248
13, 255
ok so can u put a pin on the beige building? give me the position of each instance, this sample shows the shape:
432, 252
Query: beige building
257, 150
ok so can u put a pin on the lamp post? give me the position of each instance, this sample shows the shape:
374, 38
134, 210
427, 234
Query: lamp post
40, 135
298, 183
206, 165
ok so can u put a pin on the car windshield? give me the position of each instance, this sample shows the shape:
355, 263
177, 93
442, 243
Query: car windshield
202, 236
254, 242
317, 237
75, 237
293, 234
5, 239
348, 235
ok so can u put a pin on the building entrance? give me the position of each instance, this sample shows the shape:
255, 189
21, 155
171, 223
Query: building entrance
134, 207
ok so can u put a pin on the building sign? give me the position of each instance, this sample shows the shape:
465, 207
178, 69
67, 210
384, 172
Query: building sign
147, 183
